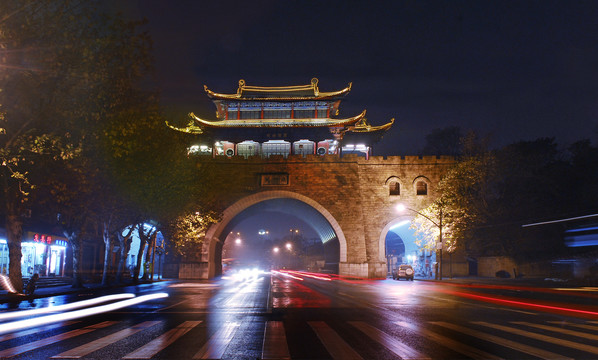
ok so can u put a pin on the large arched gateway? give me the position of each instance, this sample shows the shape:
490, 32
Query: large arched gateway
282, 201
350, 198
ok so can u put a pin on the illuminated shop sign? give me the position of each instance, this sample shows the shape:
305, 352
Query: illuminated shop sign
47, 239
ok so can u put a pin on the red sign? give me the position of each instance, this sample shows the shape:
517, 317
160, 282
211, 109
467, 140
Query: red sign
44, 239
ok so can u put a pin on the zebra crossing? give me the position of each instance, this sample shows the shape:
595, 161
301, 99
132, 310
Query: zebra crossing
551, 339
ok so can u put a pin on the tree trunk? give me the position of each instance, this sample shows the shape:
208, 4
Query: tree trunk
77, 252
107, 252
14, 235
142, 245
125, 246
154, 239
144, 241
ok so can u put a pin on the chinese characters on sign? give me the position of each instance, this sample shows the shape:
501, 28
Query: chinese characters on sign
275, 179
47, 239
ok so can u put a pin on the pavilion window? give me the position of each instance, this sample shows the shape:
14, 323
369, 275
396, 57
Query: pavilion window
394, 188
421, 188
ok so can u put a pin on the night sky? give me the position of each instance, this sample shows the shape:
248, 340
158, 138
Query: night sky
516, 70
513, 70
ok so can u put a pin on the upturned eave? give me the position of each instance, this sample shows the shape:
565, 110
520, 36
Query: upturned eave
278, 93
278, 123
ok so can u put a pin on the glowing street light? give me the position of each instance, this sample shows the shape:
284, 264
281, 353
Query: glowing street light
402, 208
289, 246
276, 249
238, 241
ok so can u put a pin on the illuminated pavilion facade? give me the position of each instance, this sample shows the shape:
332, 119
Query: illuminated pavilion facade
283, 120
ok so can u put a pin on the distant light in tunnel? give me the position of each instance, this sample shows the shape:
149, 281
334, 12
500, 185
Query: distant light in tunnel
400, 224
238, 241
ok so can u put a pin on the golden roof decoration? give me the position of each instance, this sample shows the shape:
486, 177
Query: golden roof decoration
310, 122
363, 126
285, 93
191, 128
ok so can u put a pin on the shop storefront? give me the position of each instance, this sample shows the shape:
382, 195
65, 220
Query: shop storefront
41, 254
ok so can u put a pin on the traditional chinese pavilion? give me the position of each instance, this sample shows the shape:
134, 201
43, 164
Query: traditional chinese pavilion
282, 120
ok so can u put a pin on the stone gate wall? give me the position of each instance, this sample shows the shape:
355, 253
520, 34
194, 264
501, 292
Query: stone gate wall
352, 189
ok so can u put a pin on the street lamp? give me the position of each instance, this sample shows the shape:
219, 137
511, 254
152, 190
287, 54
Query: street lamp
401, 208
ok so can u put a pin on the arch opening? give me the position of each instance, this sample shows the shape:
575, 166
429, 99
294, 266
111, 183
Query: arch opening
399, 243
275, 231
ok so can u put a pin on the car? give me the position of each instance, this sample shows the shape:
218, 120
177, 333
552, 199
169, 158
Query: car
403, 272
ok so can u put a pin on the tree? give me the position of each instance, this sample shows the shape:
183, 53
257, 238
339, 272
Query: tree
445, 141
490, 194
427, 227
188, 230
31, 93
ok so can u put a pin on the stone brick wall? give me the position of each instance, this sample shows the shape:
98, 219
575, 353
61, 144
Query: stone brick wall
351, 192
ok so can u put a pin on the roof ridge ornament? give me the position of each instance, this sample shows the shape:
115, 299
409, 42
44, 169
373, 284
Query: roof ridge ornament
314, 84
241, 86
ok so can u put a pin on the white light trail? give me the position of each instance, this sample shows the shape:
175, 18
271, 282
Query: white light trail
44, 320
75, 305
6, 284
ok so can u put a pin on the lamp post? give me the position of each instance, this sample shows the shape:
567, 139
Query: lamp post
401, 208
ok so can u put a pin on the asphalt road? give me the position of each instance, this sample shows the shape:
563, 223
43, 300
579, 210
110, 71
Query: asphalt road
292, 316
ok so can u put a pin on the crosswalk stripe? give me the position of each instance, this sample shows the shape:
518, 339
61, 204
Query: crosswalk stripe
392, 344
34, 330
214, 348
336, 346
550, 339
501, 341
558, 329
275, 342
581, 326
459, 347
53, 339
158, 344
103, 342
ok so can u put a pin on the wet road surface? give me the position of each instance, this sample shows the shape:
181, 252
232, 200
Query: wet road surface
293, 316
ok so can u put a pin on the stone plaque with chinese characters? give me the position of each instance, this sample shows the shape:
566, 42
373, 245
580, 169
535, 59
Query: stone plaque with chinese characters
275, 179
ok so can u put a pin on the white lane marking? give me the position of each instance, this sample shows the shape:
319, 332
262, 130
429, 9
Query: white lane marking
160, 343
392, 344
581, 326
559, 330
275, 342
334, 344
53, 339
90, 347
461, 348
214, 348
543, 354
550, 339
